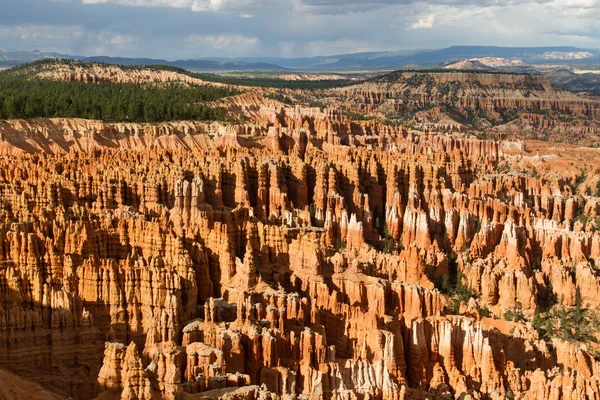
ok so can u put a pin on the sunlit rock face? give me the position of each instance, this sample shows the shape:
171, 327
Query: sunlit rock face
297, 255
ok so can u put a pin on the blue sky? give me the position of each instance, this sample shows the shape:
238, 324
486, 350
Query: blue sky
174, 29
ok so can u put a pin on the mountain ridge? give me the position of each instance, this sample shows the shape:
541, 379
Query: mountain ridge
11, 58
351, 61
424, 58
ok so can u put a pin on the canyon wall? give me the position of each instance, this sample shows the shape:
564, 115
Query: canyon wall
304, 257
516, 105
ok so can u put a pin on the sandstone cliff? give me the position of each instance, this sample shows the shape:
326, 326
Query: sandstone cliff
309, 256
516, 105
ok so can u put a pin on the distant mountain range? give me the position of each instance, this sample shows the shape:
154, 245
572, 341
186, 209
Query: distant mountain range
356, 61
15, 57
426, 58
193, 65
12, 58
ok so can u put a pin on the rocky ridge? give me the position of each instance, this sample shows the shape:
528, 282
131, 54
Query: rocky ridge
479, 100
304, 256
484, 63
106, 73
302, 253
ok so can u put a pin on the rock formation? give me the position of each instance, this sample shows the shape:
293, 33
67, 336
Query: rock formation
301, 254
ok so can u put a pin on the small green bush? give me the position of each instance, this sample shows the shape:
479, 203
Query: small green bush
516, 314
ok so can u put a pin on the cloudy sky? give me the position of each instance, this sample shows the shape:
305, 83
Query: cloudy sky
174, 29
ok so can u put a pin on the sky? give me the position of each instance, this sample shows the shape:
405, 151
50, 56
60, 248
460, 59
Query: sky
184, 29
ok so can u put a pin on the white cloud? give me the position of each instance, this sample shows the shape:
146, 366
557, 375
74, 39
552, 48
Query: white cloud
81, 40
144, 3
425, 22
195, 5
41, 32
293, 28
579, 3
207, 5
222, 41
116, 39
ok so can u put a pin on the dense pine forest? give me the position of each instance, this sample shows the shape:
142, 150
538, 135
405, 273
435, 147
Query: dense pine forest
22, 96
25, 96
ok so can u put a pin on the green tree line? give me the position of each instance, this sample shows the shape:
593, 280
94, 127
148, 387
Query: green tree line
258, 81
23, 97
272, 82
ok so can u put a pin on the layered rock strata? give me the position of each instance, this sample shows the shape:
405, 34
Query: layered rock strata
304, 262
